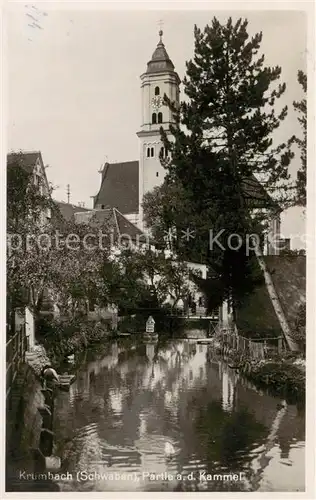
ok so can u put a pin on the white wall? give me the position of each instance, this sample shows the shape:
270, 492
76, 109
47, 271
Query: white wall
30, 327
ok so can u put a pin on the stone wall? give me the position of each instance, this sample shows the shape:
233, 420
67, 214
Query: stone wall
29, 433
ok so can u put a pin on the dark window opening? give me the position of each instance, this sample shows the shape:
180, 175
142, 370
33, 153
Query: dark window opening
148, 152
102, 207
157, 91
157, 174
154, 117
152, 151
159, 117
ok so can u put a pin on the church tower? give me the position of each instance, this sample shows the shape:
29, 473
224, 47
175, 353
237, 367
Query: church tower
159, 79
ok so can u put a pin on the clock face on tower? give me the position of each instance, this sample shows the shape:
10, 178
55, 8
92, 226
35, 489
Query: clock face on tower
156, 102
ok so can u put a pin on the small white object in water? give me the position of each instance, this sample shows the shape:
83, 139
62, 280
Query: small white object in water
71, 358
52, 463
169, 449
50, 374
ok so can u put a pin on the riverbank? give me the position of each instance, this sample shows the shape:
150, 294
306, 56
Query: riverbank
62, 338
282, 376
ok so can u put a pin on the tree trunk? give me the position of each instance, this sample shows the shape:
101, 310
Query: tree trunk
276, 303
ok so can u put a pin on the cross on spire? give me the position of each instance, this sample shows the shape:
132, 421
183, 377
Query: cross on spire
68, 193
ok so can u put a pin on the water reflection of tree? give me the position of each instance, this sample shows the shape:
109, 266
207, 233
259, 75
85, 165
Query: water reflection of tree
223, 435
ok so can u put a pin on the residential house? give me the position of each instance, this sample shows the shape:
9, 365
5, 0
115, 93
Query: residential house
32, 163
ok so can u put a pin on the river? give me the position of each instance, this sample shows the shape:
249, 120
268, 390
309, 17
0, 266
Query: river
132, 398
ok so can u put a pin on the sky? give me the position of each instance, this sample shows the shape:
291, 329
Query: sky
73, 83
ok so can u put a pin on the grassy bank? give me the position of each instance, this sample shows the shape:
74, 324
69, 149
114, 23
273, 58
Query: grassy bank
281, 376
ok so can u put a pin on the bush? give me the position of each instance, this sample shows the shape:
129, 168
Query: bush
282, 377
299, 328
63, 337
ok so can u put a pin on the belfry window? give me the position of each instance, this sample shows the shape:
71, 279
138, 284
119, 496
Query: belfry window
154, 118
148, 152
152, 152
159, 117
157, 91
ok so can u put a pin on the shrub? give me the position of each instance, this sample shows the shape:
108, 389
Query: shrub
283, 377
299, 329
63, 337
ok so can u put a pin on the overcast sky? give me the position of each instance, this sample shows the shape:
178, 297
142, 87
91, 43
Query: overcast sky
74, 87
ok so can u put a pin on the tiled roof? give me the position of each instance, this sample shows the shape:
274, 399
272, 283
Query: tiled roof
68, 210
112, 216
125, 226
27, 159
255, 194
119, 187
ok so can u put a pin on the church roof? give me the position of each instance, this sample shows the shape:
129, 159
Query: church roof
119, 187
160, 61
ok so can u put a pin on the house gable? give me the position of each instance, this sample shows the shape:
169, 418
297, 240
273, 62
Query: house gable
31, 162
121, 226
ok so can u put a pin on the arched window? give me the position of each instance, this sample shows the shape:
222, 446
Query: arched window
157, 91
148, 152
152, 152
157, 174
159, 117
154, 117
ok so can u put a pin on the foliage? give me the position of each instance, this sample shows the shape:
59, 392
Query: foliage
299, 330
221, 138
27, 207
292, 253
62, 338
157, 277
55, 255
301, 108
282, 377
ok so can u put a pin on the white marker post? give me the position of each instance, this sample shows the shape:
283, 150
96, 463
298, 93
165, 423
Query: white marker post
150, 325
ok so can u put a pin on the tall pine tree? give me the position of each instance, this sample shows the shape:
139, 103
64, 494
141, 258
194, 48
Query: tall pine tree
301, 108
222, 138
